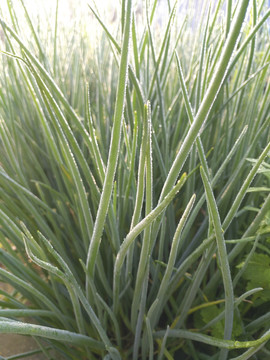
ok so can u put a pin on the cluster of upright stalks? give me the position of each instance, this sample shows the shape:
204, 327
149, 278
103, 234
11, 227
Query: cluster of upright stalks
134, 180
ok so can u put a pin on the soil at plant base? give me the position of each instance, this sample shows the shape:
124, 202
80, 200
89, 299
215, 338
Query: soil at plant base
12, 344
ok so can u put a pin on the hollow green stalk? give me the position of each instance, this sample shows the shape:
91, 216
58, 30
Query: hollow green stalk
114, 149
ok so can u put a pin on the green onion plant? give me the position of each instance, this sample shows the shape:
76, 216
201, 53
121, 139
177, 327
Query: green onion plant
134, 179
